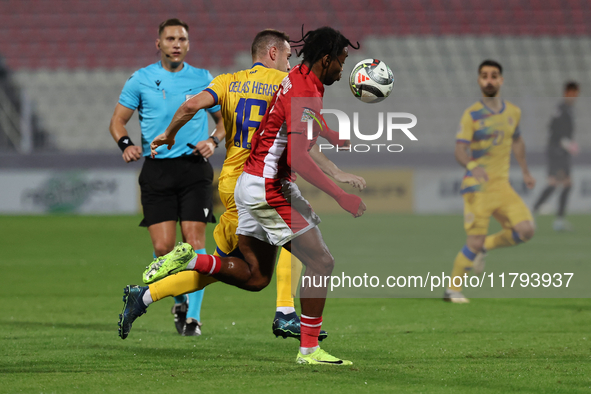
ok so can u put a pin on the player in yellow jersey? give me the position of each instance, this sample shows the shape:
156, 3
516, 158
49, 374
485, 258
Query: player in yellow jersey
243, 97
489, 129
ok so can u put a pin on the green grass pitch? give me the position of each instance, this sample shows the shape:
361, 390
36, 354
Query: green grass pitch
61, 284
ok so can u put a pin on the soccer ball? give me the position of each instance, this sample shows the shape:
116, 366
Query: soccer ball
371, 81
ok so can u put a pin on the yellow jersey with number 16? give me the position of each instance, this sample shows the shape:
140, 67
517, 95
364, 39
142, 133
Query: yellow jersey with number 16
243, 98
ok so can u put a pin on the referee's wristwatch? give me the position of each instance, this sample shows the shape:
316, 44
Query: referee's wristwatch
216, 140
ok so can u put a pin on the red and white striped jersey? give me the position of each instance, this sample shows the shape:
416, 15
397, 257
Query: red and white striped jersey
298, 99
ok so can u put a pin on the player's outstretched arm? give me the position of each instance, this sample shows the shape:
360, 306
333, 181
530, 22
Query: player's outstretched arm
301, 162
118, 131
331, 169
332, 136
519, 152
206, 147
463, 157
184, 114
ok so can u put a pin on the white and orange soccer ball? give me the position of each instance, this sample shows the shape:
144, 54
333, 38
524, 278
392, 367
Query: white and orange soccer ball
371, 80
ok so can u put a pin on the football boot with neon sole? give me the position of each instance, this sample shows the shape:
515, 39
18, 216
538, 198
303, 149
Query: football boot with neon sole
171, 263
320, 357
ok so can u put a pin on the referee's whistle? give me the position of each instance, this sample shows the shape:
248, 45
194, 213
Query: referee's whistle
190, 145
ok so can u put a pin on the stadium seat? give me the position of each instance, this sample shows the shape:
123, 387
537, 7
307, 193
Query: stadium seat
84, 51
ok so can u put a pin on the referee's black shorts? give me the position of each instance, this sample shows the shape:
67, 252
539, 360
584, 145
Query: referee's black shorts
177, 189
559, 166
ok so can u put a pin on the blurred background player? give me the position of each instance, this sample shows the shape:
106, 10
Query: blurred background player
271, 210
178, 184
561, 146
489, 129
241, 93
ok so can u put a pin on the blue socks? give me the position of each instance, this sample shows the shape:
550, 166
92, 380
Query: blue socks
195, 299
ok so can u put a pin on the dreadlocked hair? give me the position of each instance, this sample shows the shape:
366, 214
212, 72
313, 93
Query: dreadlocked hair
315, 44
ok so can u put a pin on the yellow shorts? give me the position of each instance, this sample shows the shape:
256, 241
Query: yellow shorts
224, 233
503, 203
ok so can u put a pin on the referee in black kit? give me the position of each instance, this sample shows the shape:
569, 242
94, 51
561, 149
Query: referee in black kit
561, 146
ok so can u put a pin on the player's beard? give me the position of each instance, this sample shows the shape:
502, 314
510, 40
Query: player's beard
490, 91
332, 78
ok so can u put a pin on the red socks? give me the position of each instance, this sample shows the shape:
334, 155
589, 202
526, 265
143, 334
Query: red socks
207, 264
310, 329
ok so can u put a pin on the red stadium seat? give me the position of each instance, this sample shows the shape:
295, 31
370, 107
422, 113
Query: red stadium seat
95, 28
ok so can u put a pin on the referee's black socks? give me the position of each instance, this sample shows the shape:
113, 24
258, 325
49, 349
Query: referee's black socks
563, 201
544, 196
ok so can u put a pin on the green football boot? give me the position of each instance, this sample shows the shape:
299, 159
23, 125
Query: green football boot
320, 357
171, 263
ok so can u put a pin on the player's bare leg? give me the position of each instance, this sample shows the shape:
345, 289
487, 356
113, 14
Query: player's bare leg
286, 322
476, 244
525, 230
163, 237
254, 274
311, 250
194, 233
511, 234
259, 257
136, 299
187, 309
471, 258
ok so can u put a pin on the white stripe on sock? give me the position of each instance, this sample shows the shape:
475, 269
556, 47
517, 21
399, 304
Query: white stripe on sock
191, 265
310, 325
309, 317
213, 265
302, 317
